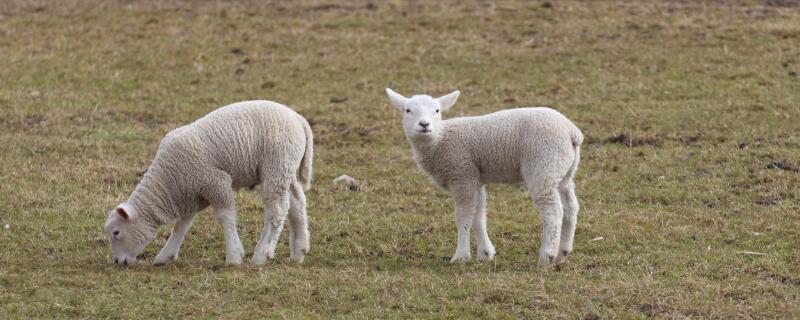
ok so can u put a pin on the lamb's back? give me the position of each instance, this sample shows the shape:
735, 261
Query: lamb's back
243, 137
497, 142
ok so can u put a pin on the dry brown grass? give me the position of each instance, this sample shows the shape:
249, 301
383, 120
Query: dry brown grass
690, 111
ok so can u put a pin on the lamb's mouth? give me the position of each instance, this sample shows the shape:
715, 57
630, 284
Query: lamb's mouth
424, 131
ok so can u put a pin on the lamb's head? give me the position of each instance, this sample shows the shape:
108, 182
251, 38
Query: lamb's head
128, 233
422, 114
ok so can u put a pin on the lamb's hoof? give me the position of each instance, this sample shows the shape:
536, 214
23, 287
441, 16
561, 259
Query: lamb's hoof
162, 260
461, 258
298, 256
486, 254
233, 262
297, 259
546, 259
235, 259
261, 259
561, 257
298, 249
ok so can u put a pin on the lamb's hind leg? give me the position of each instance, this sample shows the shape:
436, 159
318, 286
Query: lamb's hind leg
570, 203
548, 203
485, 247
276, 208
298, 224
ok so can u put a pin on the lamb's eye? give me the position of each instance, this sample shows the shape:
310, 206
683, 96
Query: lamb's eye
408, 110
116, 232
437, 110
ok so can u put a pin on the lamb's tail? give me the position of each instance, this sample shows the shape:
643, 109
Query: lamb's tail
304, 172
577, 138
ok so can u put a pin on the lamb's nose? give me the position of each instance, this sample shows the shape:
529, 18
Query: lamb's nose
424, 123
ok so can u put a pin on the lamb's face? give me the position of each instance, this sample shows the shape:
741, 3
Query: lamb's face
128, 235
422, 117
422, 114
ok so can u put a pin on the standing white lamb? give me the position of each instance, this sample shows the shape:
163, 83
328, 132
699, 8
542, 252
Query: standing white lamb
538, 147
201, 164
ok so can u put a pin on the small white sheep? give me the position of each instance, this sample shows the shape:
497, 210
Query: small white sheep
201, 164
538, 147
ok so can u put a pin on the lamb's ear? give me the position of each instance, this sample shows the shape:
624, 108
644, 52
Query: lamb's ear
449, 100
123, 211
397, 100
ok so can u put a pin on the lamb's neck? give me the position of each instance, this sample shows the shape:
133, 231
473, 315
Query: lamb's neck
422, 147
154, 201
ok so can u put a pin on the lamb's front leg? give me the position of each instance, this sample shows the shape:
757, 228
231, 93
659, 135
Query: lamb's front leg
466, 199
170, 250
485, 248
234, 251
221, 197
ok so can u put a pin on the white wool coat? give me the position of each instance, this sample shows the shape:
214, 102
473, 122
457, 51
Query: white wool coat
239, 145
500, 147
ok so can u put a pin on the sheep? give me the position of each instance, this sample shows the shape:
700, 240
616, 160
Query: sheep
538, 147
202, 164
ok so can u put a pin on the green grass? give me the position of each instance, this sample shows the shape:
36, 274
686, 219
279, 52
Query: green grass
685, 105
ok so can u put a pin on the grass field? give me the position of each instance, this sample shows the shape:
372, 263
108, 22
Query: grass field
691, 112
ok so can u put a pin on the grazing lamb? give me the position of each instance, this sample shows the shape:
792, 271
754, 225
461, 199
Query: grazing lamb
201, 164
538, 147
